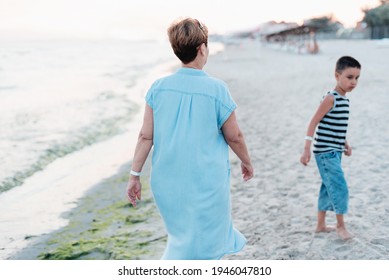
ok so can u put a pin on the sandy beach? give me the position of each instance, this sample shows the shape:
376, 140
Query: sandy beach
277, 92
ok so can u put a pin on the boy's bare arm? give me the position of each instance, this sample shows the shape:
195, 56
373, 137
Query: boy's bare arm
322, 110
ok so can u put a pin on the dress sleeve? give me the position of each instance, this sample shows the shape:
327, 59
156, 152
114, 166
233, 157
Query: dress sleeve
149, 97
226, 105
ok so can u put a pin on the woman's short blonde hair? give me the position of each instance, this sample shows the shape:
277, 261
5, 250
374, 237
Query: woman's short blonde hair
185, 36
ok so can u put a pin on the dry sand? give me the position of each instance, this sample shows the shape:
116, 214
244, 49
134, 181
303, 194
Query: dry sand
277, 92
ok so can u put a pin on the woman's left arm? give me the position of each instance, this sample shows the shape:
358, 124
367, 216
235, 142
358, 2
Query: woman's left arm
234, 138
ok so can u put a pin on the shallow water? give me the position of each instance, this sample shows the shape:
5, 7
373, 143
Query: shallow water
57, 97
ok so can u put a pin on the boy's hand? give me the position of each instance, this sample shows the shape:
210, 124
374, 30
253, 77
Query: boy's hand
348, 150
305, 157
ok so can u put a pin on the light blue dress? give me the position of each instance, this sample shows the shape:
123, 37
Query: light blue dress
190, 176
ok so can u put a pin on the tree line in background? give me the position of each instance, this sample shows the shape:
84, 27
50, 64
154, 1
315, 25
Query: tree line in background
378, 20
374, 25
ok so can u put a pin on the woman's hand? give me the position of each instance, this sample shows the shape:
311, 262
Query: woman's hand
247, 171
134, 190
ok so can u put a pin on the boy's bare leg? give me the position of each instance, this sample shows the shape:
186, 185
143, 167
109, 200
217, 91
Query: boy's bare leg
341, 229
321, 223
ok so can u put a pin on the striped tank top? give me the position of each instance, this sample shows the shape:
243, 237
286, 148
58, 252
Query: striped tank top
332, 129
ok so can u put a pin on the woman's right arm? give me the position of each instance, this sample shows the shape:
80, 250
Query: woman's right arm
142, 150
234, 138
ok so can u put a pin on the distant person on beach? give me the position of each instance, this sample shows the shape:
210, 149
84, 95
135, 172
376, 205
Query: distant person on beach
190, 120
330, 142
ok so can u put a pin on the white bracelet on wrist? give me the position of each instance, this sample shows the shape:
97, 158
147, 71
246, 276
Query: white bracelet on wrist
310, 138
137, 174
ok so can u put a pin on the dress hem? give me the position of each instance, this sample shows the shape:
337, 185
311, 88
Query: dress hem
233, 251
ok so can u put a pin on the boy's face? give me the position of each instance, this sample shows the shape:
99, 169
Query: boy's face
347, 80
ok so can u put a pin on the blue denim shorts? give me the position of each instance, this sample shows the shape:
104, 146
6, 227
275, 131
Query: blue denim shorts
333, 194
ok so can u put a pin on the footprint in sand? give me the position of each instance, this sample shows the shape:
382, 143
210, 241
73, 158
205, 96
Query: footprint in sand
343, 248
381, 241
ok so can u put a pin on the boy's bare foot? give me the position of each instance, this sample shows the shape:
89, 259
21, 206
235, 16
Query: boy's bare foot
343, 233
325, 229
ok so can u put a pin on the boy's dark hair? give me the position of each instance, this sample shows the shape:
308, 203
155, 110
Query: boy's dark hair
346, 62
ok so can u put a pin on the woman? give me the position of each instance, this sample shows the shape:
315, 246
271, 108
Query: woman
190, 120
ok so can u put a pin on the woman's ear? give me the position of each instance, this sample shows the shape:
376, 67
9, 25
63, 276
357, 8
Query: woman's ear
203, 49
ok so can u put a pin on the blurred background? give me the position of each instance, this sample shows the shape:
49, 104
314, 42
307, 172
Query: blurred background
73, 74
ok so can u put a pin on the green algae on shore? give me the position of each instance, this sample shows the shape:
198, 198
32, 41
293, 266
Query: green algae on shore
105, 226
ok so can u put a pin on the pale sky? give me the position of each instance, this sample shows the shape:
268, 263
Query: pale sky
150, 18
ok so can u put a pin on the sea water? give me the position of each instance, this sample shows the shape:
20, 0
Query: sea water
57, 97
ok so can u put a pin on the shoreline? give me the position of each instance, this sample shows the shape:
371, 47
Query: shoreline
56, 189
103, 225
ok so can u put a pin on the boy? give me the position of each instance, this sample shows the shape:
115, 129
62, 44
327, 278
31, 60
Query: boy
329, 144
